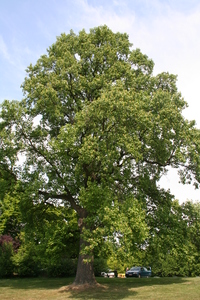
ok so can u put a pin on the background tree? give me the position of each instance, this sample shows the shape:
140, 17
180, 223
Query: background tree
7, 248
10, 218
97, 131
191, 216
172, 246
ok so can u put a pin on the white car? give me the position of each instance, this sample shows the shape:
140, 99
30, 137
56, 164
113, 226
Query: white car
109, 274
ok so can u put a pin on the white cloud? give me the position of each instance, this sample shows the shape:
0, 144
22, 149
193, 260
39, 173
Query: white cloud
91, 16
4, 49
180, 191
172, 42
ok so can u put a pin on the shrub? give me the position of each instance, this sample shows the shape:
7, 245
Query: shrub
62, 268
27, 262
6, 256
100, 265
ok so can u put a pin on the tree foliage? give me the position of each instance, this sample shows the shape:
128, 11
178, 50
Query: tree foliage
172, 246
97, 131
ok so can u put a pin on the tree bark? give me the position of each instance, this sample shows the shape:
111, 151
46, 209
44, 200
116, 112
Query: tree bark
85, 268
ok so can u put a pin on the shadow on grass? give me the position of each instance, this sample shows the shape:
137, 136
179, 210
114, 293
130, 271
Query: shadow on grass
118, 288
107, 284
35, 283
108, 288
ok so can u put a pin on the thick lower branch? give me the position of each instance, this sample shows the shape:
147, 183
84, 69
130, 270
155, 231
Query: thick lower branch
66, 197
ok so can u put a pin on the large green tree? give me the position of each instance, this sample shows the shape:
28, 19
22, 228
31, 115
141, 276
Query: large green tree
97, 131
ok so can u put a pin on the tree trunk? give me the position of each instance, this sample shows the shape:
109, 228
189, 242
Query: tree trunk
85, 269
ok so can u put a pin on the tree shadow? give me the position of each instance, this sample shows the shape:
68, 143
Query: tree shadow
107, 288
118, 288
35, 283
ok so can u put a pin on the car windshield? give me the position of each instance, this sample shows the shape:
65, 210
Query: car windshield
135, 269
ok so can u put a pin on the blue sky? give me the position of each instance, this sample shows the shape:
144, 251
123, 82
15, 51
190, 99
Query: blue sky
168, 31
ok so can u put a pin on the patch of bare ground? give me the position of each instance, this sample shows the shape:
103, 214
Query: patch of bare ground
187, 282
82, 287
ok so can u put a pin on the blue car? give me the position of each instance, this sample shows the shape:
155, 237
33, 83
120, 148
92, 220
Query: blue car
138, 272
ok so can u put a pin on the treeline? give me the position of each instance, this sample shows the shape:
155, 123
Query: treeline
44, 240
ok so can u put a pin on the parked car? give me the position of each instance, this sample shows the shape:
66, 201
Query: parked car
109, 274
138, 272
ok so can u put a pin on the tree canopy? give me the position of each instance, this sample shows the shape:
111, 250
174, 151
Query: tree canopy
95, 131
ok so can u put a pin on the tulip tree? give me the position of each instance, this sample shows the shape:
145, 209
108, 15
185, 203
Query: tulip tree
96, 131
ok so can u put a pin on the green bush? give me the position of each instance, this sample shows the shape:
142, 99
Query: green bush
61, 268
27, 262
100, 265
6, 260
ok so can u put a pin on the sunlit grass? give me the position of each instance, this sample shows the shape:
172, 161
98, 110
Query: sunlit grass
111, 288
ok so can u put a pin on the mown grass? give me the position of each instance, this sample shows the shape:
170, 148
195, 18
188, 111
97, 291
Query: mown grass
111, 288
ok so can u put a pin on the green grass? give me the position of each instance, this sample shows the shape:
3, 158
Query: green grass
112, 288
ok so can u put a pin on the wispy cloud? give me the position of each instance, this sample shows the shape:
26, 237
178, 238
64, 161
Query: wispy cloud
4, 49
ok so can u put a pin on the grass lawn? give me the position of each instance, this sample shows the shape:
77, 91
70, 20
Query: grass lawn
112, 288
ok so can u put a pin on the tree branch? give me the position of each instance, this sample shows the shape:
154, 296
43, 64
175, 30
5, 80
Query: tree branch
68, 197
